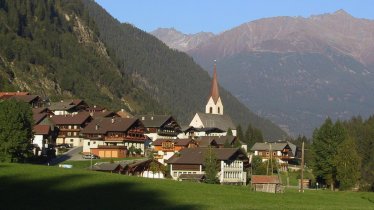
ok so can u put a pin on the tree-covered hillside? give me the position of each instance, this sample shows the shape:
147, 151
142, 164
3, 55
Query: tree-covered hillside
51, 48
69, 49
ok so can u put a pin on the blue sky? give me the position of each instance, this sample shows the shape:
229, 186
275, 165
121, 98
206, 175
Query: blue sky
192, 16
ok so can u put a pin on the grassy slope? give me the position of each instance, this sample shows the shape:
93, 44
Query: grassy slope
42, 187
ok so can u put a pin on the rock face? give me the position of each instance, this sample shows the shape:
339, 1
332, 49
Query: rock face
177, 40
297, 71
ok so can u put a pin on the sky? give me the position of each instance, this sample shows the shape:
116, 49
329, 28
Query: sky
193, 16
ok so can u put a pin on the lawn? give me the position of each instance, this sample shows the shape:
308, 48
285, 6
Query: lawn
85, 164
25, 186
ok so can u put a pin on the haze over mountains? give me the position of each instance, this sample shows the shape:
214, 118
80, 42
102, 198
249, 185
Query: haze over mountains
295, 71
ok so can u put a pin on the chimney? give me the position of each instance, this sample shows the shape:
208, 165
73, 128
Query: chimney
143, 118
97, 127
62, 101
122, 110
152, 118
112, 120
95, 106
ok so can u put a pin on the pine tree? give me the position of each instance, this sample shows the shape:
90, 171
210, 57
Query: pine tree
348, 164
210, 164
326, 140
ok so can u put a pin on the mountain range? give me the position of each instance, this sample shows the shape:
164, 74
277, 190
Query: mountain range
295, 71
75, 49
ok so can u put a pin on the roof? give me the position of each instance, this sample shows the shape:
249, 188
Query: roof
106, 166
222, 122
41, 129
39, 110
261, 179
275, 146
104, 125
192, 176
220, 140
63, 105
154, 121
214, 90
103, 114
25, 98
39, 117
206, 141
177, 142
77, 119
5, 95
197, 155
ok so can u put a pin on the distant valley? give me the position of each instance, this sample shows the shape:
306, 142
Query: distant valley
294, 71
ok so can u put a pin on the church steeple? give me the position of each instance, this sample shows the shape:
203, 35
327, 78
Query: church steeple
214, 105
214, 92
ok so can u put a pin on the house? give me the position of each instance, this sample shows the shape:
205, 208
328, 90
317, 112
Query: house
213, 116
68, 107
109, 151
160, 126
281, 151
165, 148
69, 128
34, 100
42, 137
104, 133
148, 168
192, 132
232, 163
263, 183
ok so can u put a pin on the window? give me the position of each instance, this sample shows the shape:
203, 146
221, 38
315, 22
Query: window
69, 133
71, 140
259, 153
94, 142
219, 110
88, 143
210, 110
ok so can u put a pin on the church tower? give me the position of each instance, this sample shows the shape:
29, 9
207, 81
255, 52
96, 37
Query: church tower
214, 105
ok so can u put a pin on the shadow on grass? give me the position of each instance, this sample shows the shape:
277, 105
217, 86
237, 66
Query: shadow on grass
19, 192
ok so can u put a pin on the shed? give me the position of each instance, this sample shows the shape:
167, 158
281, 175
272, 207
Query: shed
263, 183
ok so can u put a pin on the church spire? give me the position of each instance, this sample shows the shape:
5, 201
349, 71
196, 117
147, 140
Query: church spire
214, 105
214, 92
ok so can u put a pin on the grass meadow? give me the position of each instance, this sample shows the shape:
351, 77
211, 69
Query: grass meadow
24, 186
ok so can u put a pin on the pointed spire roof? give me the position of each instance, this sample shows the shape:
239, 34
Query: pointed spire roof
214, 92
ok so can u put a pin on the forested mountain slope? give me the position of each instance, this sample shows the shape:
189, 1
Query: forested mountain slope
69, 49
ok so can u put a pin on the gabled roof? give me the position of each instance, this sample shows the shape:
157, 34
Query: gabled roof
220, 140
107, 167
274, 146
206, 141
63, 105
104, 114
104, 125
77, 119
197, 155
155, 121
25, 98
222, 122
41, 129
40, 110
262, 179
39, 117
6, 95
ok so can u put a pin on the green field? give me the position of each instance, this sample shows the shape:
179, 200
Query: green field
85, 164
43, 187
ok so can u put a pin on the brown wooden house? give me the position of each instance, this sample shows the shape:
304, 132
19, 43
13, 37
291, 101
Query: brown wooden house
113, 132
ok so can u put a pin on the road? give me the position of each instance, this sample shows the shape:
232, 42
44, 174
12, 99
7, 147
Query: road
72, 154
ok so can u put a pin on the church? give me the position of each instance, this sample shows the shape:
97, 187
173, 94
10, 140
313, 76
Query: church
213, 116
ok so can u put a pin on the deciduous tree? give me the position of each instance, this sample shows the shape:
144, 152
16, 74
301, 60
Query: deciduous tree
15, 130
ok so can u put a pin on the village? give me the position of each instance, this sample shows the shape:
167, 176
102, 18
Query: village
166, 148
